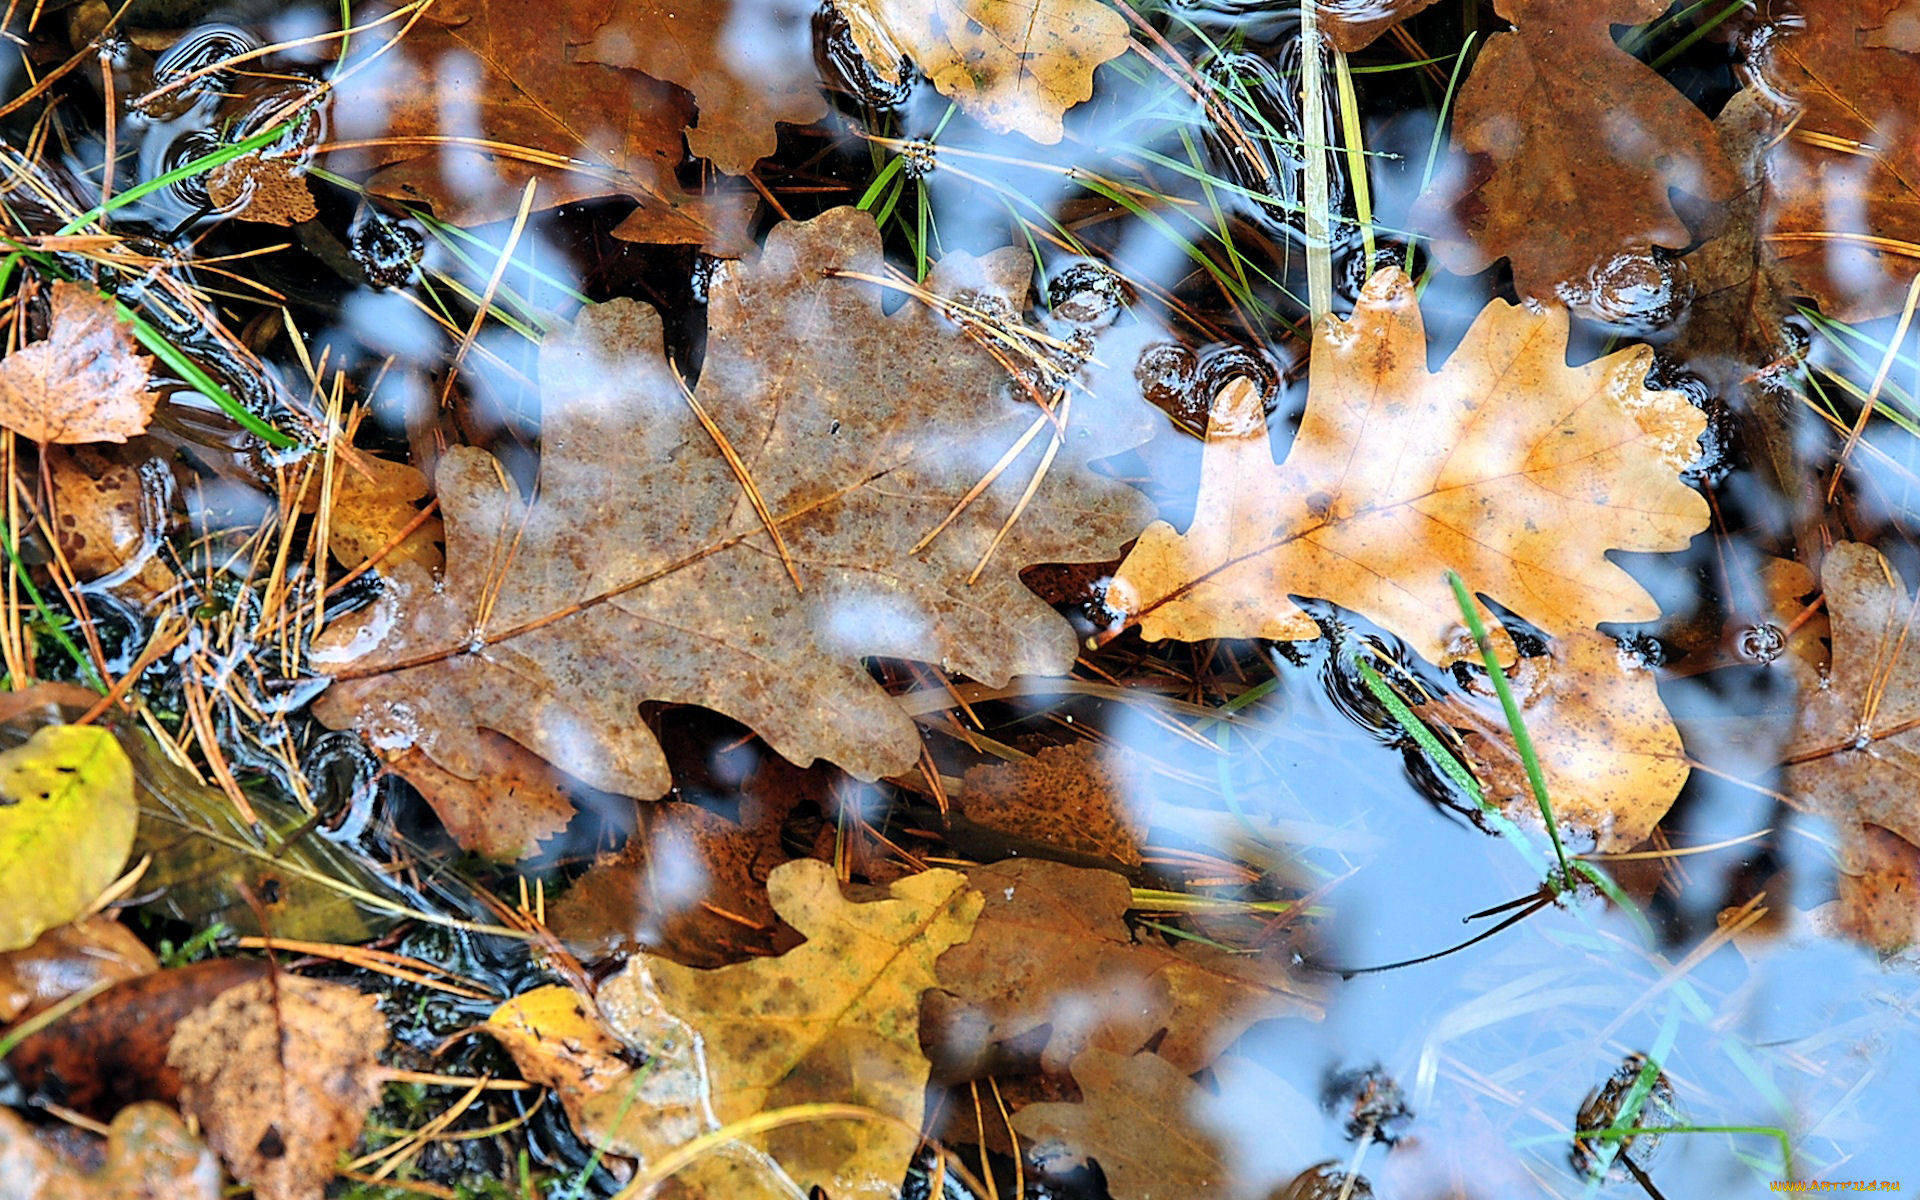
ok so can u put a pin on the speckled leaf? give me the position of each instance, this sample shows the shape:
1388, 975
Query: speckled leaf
66, 823
644, 570
1136, 1119
85, 382
834, 1020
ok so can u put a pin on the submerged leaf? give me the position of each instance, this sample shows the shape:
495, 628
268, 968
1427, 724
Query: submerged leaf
1136, 1119
651, 567
66, 824
86, 382
150, 1155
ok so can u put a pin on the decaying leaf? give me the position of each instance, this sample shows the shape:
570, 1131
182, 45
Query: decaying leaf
68, 959
1135, 1119
1606, 742
151, 1155
1352, 25
834, 1020
1581, 142
86, 382
646, 569
1012, 65
691, 888
1052, 969
110, 518
281, 1073
1509, 466
520, 108
518, 801
1073, 798
748, 67
1843, 174
374, 504
1857, 749
66, 824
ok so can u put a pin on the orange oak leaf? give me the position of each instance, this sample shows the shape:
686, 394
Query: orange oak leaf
1843, 171
85, 383
1354, 24
744, 545
1581, 144
1856, 751
1506, 465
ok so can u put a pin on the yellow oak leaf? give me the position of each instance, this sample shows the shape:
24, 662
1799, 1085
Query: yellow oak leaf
1506, 465
1012, 65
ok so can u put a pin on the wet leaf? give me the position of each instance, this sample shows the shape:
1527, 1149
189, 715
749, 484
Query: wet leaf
526, 110
1843, 202
1352, 25
1012, 65
645, 571
111, 1051
1073, 798
110, 518
86, 382
1578, 144
151, 1155
67, 960
834, 1020
1052, 969
1507, 465
1135, 1119
66, 824
281, 1073
1610, 750
374, 503
518, 801
1857, 750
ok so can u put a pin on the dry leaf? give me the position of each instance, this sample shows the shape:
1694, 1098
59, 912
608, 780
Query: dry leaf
518, 801
1074, 798
1136, 1120
1012, 65
85, 383
151, 1155
1051, 969
1857, 749
1607, 745
644, 571
833, 1020
1582, 143
1509, 466
111, 519
1351, 25
1843, 202
281, 1073
518, 107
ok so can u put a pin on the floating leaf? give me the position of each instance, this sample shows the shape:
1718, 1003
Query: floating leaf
86, 382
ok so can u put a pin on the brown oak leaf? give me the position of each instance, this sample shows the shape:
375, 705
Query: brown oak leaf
1136, 1120
1352, 25
650, 567
468, 107
86, 382
1507, 465
1856, 752
1843, 205
1052, 969
1580, 144
1073, 798
281, 1073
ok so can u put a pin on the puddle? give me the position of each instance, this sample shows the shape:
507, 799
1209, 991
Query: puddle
1013, 353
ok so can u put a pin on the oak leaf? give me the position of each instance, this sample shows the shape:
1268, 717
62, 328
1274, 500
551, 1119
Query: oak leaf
1135, 1119
832, 1021
518, 801
281, 1073
86, 382
1352, 25
1072, 798
1843, 177
1582, 142
645, 569
1856, 752
1507, 465
1052, 969
1012, 65
111, 518
468, 107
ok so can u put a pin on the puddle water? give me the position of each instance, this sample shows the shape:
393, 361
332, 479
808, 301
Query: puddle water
780, 506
